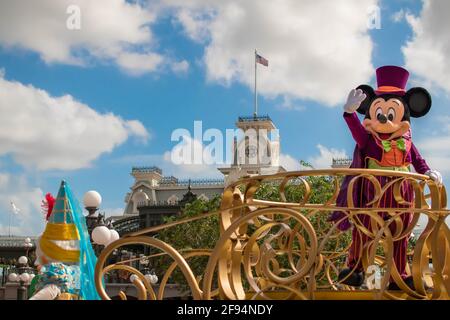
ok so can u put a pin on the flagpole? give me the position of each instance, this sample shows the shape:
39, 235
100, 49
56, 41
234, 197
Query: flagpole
9, 227
255, 113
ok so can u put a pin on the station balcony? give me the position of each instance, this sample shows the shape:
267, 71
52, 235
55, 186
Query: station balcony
287, 249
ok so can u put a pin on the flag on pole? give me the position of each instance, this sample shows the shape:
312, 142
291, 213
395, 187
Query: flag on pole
14, 208
262, 60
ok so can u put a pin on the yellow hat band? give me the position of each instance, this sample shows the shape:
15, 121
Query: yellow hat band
57, 253
61, 231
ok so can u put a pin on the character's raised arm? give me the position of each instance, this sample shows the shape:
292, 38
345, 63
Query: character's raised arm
355, 97
356, 128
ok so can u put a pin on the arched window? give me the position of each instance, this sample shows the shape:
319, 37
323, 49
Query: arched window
139, 198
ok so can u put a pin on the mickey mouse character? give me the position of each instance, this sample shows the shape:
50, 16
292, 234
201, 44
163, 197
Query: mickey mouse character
383, 141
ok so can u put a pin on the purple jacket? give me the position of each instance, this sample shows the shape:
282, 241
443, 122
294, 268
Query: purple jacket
367, 147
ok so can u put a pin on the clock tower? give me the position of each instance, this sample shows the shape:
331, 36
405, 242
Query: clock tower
256, 150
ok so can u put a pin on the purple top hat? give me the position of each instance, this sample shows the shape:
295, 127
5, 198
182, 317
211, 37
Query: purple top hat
391, 80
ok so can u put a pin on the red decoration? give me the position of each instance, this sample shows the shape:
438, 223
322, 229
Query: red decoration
47, 205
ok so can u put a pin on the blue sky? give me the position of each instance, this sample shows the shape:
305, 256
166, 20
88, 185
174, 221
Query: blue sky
164, 98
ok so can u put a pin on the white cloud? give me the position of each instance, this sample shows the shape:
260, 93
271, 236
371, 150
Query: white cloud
136, 128
185, 171
325, 157
45, 132
436, 149
4, 180
426, 54
111, 30
138, 64
28, 199
194, 22
289, 163
398, 16
180, 67
290, 104
308, 58
190, 158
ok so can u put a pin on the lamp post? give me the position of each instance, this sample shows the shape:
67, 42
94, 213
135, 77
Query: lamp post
91, 200
23, 277
148, 273
100, 233
151, 277
28, 245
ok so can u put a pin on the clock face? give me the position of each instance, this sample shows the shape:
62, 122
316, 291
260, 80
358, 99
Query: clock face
255, 151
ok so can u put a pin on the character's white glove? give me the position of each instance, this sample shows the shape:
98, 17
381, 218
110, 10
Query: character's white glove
49, 292
435, 176
355, 97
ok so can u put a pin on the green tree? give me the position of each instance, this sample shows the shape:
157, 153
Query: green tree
199, 234
202, 233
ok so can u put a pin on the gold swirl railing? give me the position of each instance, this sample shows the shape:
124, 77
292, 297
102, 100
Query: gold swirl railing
271, 249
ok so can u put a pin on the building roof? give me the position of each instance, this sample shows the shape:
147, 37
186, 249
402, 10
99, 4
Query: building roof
341, 162
254, 118
15, 241
192, 182
146, 169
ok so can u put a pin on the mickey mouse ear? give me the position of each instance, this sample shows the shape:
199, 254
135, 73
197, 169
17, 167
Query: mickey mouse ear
419, 102
370, 93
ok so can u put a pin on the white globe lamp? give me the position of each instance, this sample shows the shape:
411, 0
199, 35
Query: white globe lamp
133, 278
13, 277
114, 235
101, 235
25, 277
23, 260
92, 199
